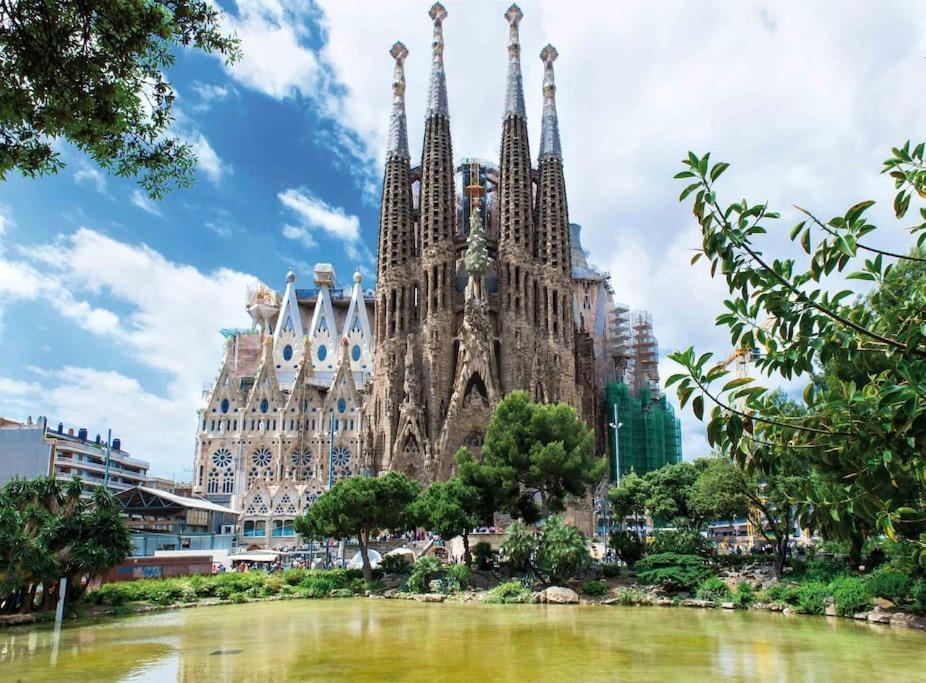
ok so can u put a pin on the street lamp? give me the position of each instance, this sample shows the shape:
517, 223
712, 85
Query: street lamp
617, 454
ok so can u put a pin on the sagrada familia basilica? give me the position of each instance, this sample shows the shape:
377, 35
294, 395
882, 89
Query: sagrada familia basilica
477, 294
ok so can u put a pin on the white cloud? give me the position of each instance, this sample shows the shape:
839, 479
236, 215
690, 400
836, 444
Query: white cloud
275, 59
144, 203
318, 214
300, 234
88, 174
207, 160
209, 93
172, 310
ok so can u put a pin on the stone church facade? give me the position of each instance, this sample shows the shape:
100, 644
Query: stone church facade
474, 298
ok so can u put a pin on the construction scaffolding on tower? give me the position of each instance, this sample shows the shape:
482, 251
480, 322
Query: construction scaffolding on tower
644, 428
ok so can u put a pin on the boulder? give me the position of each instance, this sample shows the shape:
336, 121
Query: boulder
728, 605
430, 597
788, 611
691, 602
861, 616
884, 603
558, 595
829, 607
879, 616
908, 620
538, 597
664, 602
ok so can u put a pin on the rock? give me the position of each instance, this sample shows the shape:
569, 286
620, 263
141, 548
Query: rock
908, 620
538, 597
829, 607
776, 607
788, 611
861, 616
728, 605
884, 603
559, 595
691, 602
664, 602
430, 597
879, 616
434, 586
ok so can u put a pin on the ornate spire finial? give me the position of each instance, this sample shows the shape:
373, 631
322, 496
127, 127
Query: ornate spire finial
549, 129
514, 89
437, 88
398, 129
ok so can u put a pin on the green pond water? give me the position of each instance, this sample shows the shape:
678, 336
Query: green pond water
380, 640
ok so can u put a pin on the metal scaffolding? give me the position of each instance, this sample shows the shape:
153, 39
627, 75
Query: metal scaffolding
643, 432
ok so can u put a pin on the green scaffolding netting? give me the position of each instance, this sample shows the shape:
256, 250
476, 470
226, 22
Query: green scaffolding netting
649, 435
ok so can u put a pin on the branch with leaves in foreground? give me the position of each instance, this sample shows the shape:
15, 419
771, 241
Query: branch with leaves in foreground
864, 356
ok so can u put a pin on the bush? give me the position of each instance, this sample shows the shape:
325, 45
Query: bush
395, 564
628, 546
782, 593
629, 597
508, 592
595, 588
483, 555
562, 552
918, 593
714, 589
672, 571
850, 595
889, 583
822, 569
811, 597
611, 571
744, 595
457, 576
680, 542
520, 544
317, 586
425, 569
733, 561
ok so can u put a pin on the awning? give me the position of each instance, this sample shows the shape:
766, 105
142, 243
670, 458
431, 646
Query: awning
268, 556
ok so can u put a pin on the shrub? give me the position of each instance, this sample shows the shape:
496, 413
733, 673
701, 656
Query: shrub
850, 595
295, 576
317, 586
483, 555
562, 552
672, 571
237, 598
595, 588
611, 571
111, 594
822, 569
811, 597
457, 577
714, 589
508, 592
395, 564
889, 583
680, 542
629, 597
425, 569
628, 546
519, 546
744, 595
782, 592
918, 593
733, 561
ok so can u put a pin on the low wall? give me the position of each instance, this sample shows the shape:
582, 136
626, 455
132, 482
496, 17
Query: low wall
159, 567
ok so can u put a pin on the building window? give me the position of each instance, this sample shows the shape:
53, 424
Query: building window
342, 405
255, 528
264, 405
222, 458
287, 352
355, 352
283, 527
225, 405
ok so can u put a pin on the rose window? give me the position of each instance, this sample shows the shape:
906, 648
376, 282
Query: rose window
222, 458
262, 457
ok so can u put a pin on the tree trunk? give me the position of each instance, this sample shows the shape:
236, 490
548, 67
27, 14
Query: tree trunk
48, 595
364, 538
781, 552
544, 508
855, 550
467, 556
28, 599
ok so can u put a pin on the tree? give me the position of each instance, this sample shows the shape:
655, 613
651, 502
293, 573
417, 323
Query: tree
49, 531
725, 490
865, 429
562, 551
519, 546
93, 73
451, 508
670, 491
628, 498
361, 507
539, 451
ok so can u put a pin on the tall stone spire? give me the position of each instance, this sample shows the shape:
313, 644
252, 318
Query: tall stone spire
549, 129
437, 86
398, 128
514, 87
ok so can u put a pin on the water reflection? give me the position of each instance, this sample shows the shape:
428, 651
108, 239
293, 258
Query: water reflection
377, 640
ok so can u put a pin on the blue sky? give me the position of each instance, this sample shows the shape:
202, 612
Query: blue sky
110, 304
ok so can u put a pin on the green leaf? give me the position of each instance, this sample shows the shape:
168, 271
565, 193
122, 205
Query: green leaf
688, 190
738, 382
805, 240
698, 406
718, 169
